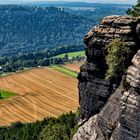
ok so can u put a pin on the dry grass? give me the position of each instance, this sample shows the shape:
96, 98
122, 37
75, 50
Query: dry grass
41, 93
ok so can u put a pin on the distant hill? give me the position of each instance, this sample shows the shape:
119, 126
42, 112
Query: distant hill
94, 11
74, 4
29, 29
35, 27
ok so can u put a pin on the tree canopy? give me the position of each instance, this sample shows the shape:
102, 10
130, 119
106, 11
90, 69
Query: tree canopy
135, 10
26, 29
61, 128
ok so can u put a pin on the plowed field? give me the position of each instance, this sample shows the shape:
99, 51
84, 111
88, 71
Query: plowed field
40, 92
74, 67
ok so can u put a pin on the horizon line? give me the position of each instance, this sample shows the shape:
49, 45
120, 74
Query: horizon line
31, 2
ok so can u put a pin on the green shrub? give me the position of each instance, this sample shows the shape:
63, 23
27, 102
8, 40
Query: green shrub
55, 132
135, 10
116, 59
61, 128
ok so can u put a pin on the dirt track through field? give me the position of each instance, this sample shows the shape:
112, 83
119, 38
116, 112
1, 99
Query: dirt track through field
42, 93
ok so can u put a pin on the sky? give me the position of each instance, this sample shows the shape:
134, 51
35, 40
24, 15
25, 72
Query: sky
133, 2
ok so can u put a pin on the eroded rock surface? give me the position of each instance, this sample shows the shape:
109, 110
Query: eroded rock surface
102, 125
94, 91
129, 127
111, 108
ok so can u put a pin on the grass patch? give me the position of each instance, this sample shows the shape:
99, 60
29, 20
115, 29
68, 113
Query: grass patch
73, 54
64, 70
6, 94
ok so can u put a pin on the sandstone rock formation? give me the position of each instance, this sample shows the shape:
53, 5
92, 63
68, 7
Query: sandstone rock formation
129, 127
110, 110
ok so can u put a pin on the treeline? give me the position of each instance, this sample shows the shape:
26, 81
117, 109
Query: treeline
43, 58
25, 29
61, 128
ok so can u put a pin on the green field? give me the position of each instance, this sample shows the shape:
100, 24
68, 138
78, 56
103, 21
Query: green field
6, 94
73, 54
64, 70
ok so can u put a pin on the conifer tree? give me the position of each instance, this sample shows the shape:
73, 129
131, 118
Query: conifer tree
135, 10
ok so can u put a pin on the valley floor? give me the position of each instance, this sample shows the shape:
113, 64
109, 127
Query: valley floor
41, 93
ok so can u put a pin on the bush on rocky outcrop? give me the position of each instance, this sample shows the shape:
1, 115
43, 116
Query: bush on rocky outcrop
135, 11
117, 55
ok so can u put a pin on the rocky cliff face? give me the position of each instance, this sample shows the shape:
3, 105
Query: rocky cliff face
129, 122
110, 109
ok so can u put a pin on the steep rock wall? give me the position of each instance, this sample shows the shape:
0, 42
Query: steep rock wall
105, 104
94, 91
129, 123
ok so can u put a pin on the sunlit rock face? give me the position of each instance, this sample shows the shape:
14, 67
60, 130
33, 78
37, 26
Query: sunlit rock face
110, 109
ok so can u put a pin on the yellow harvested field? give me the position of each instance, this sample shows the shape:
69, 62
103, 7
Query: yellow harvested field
42, 93
74, 66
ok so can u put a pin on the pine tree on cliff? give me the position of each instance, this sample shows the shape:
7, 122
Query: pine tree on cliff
135, 10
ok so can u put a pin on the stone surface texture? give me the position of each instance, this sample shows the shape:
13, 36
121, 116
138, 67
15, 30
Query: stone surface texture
110, 110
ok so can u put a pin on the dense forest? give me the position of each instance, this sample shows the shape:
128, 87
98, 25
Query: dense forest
61, 128
25, 29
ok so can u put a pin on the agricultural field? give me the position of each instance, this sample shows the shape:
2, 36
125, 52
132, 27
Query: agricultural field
65, 70
74, 66
40, 93
73, 54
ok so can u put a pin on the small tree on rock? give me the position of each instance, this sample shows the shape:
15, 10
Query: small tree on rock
135, 10
118, 55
